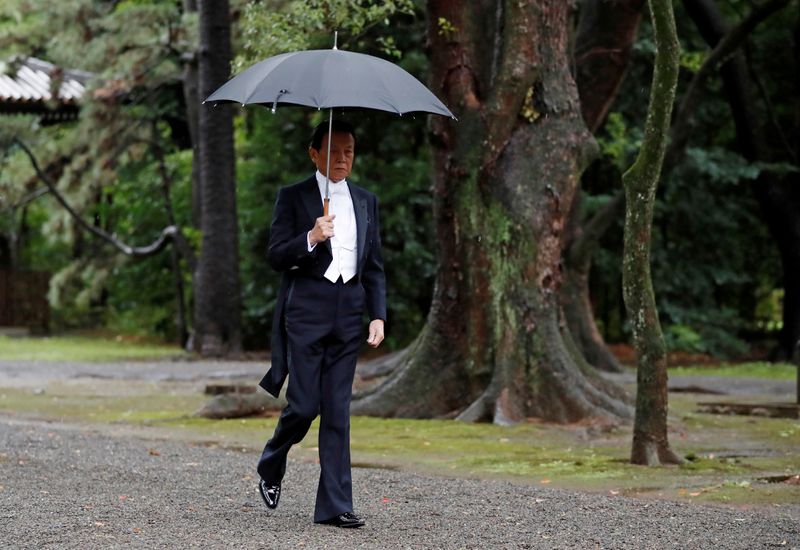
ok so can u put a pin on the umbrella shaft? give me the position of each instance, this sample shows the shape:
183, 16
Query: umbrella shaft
328, 161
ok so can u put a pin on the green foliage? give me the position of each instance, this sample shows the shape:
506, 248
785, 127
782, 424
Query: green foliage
684, 338
301, 25
106, 165
692, 61
619, 143
771, 371
392, 158
716, 271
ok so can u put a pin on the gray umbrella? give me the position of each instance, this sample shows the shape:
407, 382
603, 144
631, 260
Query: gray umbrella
328, 79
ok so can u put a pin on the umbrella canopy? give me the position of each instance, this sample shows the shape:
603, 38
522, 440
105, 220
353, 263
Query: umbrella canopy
325, 79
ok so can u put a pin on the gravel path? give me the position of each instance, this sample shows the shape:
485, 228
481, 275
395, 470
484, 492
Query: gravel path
65, 486
26, 373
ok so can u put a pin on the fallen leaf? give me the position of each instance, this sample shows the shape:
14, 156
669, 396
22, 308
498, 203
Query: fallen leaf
545, 481
154, 452
697, 494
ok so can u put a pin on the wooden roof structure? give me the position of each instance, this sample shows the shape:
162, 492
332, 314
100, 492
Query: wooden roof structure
33, 86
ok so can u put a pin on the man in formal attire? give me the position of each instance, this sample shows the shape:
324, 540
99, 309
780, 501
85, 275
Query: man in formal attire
332, 273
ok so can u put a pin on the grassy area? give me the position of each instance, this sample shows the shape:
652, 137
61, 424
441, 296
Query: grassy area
82, 348
727, 455
774, 371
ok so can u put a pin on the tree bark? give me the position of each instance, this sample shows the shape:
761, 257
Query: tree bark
494, 347
650, 441
217, 314
575, 297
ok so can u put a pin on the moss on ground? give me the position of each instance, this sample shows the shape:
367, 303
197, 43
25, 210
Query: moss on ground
773, 371
727, 454
80, 348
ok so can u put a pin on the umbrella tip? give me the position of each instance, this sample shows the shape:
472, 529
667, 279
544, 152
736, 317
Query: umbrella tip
335, 40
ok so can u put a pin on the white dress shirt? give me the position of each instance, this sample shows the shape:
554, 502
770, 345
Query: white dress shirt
344, 242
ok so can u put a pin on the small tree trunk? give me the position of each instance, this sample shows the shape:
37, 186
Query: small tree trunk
650, 442
575, 300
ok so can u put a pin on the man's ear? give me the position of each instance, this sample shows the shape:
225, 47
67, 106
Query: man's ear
313, 154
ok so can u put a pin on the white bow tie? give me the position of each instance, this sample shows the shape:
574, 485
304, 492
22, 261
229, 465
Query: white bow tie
337, 188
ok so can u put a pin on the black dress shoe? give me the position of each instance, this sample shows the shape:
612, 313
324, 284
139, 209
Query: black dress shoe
348, 519
270, 493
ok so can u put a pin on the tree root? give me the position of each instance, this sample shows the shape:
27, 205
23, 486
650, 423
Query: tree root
652, 453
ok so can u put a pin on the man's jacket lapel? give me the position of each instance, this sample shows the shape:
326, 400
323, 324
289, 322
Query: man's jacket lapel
313, 204
362, 220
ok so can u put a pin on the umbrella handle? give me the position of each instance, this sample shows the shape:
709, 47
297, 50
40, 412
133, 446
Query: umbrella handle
325, 206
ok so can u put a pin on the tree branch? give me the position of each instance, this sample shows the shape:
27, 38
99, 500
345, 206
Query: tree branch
681, 128
170, 232
515, 75
582, 249
603, 44
27, 199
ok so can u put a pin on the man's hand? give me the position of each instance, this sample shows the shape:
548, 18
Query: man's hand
322, 231
375, 333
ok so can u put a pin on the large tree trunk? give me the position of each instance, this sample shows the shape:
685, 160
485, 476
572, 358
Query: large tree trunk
583, 243
217, 315
650, 441
494, 347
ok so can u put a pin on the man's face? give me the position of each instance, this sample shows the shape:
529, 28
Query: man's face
343, 151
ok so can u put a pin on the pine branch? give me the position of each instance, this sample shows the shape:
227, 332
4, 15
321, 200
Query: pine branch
171, 232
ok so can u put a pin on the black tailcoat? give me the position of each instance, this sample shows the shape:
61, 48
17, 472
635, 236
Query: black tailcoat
296, 210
